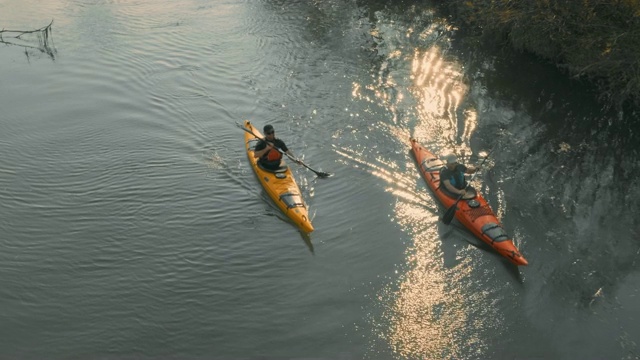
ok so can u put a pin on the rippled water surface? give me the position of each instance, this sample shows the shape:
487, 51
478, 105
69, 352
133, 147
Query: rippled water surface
133, 226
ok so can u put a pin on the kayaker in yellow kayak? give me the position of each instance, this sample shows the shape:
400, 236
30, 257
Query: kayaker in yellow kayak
270, 149
452, 177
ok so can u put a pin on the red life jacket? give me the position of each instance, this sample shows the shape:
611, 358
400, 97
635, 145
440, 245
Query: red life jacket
273, 155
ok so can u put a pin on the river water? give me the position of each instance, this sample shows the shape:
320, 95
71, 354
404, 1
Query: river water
131, 225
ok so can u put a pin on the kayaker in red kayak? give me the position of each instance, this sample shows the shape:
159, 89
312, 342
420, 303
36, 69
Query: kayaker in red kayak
269, 157
452, 177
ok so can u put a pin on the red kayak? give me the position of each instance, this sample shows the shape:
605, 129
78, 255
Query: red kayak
475, 214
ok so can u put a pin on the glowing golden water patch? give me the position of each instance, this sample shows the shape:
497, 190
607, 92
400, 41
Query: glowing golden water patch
471, 122
401, 184
564, 147
434, 314
355, 92
435, 310
439, 88
439, 308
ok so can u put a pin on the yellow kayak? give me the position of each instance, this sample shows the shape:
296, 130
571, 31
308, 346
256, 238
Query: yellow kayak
280, 184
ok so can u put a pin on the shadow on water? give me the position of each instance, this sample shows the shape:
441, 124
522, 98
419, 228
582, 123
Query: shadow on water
306, 238
307, 241
276, 212
513, 270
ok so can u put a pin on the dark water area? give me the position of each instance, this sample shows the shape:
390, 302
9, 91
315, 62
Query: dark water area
133, 227
590, 167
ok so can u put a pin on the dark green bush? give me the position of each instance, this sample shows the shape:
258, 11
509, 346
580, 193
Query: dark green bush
594, 39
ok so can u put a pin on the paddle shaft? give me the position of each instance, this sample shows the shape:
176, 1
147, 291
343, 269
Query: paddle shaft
319, 173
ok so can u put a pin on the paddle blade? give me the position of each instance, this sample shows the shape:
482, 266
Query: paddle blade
451, 212
323, 174
320, 174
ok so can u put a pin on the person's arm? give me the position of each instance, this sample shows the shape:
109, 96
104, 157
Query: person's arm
293, 157
262, 148
471, 169
453, 189
281, 144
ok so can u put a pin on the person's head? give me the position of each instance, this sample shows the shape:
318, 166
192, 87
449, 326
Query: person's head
269, 131
451, 160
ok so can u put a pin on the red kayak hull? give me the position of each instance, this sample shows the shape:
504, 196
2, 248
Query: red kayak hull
477, 216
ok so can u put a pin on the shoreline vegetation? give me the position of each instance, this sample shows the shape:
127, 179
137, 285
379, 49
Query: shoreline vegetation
597, 40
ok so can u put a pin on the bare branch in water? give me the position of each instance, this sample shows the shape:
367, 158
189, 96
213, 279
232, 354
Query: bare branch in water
43, 41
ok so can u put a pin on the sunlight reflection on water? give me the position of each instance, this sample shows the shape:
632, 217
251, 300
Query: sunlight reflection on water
434, 312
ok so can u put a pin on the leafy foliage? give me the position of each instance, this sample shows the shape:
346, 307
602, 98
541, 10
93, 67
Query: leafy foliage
594, 39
